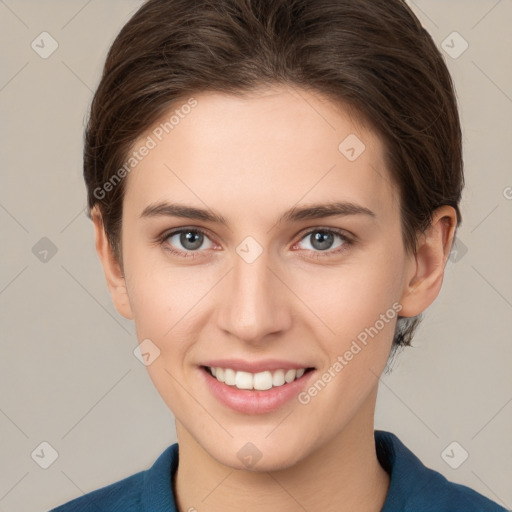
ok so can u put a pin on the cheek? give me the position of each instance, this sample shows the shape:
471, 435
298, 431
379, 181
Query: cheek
163, 301
164, 307
351, 297
358, 308
168, 303
160, 294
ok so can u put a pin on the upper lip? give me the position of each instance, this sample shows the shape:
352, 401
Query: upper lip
255, 366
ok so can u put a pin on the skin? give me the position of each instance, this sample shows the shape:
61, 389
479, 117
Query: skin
250, 159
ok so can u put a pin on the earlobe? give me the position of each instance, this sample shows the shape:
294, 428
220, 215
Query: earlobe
111, 267
426, 273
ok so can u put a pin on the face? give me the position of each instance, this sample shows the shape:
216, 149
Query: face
256, 279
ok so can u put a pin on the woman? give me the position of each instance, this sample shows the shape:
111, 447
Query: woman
275, 190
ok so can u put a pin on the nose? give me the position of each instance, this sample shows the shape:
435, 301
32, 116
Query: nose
255, 301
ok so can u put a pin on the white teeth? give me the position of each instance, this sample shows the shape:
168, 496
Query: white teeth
243, 380
262, 381
278, 378
259, 381
290, 375
229, 377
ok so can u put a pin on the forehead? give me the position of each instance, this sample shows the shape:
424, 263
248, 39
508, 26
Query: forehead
270, 148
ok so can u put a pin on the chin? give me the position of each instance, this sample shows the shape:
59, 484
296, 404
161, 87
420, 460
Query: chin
258, 456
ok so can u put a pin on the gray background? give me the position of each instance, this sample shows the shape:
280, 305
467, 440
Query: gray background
68, 373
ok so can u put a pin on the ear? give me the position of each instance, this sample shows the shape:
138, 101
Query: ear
111, 267
425, 277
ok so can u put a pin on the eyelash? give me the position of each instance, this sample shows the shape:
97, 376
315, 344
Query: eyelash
347, 242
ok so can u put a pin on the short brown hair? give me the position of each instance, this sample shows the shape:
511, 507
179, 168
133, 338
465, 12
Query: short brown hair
372, 55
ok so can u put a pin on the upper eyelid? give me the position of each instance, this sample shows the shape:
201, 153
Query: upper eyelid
184, 229
338, 231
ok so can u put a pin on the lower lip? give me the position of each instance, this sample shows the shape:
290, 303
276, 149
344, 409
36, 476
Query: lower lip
255, 402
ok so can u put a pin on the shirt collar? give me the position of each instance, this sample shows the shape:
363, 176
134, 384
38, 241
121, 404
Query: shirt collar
158, 495
408, 475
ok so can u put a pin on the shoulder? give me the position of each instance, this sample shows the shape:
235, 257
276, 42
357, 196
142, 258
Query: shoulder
124, 495
148, 490
416, 488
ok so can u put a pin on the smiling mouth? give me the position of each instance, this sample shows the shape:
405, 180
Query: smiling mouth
260, 381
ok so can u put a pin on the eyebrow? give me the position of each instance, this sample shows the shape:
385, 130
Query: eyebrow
295, 214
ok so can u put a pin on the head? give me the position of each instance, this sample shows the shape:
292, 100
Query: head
251, 111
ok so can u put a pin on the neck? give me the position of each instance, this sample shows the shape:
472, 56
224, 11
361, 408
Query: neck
343, 475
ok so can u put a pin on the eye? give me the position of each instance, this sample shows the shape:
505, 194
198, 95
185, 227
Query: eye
187, 240
323, 241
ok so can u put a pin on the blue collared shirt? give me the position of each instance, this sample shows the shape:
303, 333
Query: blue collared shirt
413, 487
